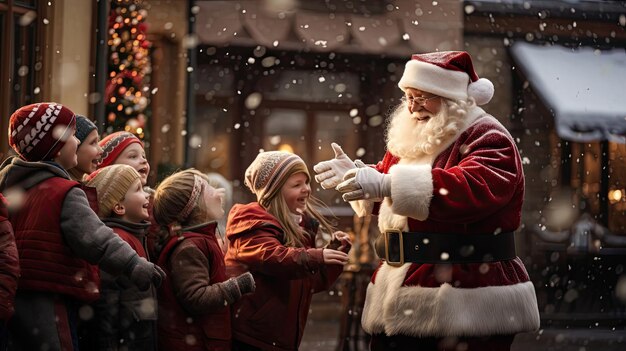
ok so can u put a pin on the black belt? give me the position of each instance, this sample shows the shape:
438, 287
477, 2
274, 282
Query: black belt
400, 247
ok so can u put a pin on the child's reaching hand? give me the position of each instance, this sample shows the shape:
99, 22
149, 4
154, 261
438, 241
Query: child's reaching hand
335, 257
340, 241
144, 273
245, 283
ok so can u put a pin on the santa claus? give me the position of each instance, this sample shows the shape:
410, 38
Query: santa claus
448, 194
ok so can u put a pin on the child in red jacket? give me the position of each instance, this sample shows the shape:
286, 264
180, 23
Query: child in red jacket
195, 299
274, 239
126, 316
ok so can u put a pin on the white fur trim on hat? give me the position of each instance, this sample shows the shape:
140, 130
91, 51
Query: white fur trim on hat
450, 84
481, 90
435, 80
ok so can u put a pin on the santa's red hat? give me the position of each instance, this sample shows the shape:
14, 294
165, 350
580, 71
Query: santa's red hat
446, 73
38, 131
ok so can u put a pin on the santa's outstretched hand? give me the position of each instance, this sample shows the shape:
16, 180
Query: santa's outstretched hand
331, 172
365, 183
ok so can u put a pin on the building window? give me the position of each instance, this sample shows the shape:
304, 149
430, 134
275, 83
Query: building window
337, 126
209, 141
285, 130
586, 179
311, 86
295, 110
210, 138
20, 58
23, 63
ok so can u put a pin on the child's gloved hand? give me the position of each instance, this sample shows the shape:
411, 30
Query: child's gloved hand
235, 287
340, 241
145, 273
245, 282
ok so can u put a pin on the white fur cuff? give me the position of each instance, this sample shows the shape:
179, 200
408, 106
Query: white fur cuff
411, 190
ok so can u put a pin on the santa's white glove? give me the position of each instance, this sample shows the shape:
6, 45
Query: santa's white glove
365, 184
331, 172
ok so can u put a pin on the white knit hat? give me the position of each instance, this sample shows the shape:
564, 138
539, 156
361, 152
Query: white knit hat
449, 74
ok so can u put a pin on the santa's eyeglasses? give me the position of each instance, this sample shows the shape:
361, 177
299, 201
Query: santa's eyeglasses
419, 100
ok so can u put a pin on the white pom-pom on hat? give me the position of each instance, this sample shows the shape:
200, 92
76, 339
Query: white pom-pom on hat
481, 90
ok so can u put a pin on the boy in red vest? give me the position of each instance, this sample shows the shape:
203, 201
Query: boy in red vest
125, 148
56, 231
126, 316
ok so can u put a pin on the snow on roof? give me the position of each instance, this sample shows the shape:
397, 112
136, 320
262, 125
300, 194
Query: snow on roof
585, 88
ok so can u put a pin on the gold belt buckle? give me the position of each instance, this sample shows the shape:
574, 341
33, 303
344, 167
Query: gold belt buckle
401, 244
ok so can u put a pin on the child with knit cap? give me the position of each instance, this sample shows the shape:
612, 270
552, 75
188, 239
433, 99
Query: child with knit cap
274, 239
56, 231
195, 298
87, 157
125, 314
125, 148
88, 152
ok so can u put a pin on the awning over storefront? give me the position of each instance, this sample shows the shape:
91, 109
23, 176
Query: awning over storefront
400, 30
584, 88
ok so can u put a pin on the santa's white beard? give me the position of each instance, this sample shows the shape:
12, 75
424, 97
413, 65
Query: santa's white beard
409, 138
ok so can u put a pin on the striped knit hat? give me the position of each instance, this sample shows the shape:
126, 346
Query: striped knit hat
268, 171
112, 184
113, 145
38, 131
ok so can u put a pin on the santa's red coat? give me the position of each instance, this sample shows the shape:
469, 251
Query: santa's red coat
474, 184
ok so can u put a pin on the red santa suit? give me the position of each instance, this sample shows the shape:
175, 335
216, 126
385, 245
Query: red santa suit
473, 184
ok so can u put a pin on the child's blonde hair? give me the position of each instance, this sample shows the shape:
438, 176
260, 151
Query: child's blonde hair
172, 199
294, 234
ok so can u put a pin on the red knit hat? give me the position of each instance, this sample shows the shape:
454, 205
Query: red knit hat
113, 145
38, 131
447, 73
